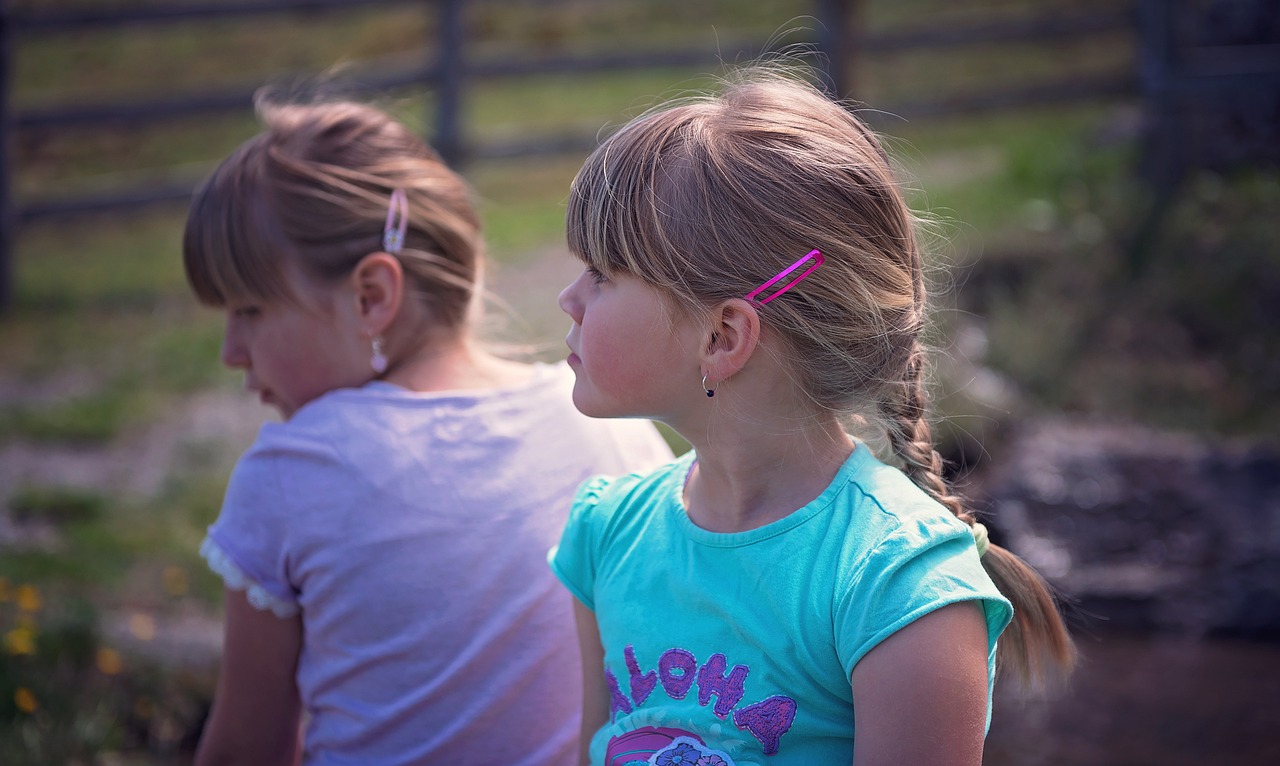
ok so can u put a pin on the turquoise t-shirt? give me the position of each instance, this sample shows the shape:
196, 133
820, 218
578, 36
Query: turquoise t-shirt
737, 649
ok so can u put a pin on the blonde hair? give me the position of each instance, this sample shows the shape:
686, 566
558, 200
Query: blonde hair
711, 197
312, 191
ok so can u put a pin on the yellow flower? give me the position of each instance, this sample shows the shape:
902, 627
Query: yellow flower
175, 580
25, 700
109, 662
142, 626
28, 598
20, 640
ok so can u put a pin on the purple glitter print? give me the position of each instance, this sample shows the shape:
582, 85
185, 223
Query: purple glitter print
617, 702
728, 691
672, 660
767, 720
641, 683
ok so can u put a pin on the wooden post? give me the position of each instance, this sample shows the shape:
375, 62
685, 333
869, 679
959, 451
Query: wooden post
7, 218
834, 38
450, 69
1162, 163
1163, 156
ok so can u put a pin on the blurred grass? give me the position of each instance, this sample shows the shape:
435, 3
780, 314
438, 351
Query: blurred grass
1034, 208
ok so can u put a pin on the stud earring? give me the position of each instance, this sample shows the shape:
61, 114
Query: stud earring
378, 361
710, 391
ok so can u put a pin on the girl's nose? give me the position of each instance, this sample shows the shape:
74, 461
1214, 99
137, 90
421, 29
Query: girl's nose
569, 301
233, 354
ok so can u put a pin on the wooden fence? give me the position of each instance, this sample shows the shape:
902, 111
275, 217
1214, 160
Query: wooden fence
453, 70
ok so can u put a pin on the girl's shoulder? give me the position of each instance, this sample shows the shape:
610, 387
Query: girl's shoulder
327, 438
888, 487
887, 507
607, 500
377, 409
608, 511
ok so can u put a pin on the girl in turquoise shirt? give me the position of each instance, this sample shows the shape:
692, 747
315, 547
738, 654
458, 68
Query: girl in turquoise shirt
802, 587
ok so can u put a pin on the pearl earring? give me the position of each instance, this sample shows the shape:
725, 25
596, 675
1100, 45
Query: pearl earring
378, 361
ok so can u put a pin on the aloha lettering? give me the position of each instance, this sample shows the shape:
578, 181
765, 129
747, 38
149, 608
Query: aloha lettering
678, 671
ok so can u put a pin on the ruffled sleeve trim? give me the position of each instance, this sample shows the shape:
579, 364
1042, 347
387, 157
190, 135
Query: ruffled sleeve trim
236, 579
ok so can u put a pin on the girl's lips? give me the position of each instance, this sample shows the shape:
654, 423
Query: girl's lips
573, 358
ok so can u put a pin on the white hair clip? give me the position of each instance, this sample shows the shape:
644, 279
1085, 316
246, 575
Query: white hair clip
397, 222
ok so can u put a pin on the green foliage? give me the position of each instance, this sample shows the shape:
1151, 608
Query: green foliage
183, 358
1172, 329
1191, 329
57, 505
66, 696
110, 263
91, 419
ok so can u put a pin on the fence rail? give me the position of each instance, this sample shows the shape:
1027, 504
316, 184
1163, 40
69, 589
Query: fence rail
451, 71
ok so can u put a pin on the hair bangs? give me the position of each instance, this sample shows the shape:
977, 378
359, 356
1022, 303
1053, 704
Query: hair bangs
598, 227
622, 213
232, 250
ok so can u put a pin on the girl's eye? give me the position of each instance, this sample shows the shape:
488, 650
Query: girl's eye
247, 312
596, 275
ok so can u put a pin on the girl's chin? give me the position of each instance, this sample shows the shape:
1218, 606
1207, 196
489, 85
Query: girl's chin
592, 407
585, 405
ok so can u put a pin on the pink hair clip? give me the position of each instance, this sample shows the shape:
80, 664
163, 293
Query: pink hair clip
817, 261
393, 233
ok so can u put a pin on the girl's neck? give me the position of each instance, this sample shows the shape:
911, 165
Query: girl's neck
457, 364
748, 477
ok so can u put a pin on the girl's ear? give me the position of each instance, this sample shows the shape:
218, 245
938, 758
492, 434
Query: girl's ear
378, 283
735, 333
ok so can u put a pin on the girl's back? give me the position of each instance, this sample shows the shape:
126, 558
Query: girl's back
410, 531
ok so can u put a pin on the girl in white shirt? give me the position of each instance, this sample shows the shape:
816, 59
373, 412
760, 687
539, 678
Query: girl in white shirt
383, 547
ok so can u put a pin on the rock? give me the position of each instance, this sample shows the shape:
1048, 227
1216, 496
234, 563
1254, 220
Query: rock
1144, 530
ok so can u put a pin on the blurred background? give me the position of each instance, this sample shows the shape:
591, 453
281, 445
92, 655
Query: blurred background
1102, 185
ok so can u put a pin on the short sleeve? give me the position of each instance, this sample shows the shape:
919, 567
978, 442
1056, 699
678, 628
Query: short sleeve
922, 567
574, 559
247, 545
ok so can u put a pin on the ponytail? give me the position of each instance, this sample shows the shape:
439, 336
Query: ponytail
1036, 647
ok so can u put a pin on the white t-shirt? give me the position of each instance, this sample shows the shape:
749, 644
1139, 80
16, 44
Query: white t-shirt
411, 530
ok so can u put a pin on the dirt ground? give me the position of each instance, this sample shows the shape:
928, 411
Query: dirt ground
1148, 701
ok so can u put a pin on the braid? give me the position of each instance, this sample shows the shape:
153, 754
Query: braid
1036, 647
912, 439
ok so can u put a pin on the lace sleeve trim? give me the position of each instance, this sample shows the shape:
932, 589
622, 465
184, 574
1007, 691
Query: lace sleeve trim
236, 579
